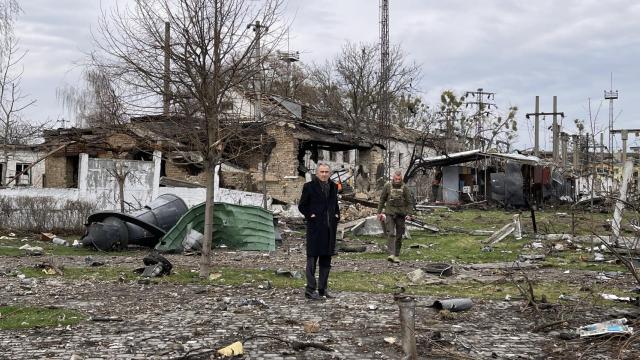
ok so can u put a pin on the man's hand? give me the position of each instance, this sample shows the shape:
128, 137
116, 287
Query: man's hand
381, 217
312, 216
408, 218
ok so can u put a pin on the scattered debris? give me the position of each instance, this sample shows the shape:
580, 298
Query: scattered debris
513, 227
441, 269
422, 225
60, 241
610, 327
155, 265
353, 248
554, 237
47, 236
370, 226
232, 350
531, 257
192, 241
453, 305
32, 250
106, 319
390, 340
90, 261
289, 273
215, 276
49, 268
481, 232
416, 276
567, 297
616, 298
107, 230
253, 302
311, 327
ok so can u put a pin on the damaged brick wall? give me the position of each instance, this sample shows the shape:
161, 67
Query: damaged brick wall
237, 180
370, 159
284, 156
59, 172
185, 172
283, 182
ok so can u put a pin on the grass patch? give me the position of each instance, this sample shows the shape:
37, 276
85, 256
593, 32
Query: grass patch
11, 247
548, 221
26, 317
352, 281
576, 260
462, 248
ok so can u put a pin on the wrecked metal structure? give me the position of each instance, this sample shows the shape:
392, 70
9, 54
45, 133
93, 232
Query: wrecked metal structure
108, 230
514, 180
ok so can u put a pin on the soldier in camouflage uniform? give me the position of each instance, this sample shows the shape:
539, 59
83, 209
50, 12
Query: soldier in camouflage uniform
395, 200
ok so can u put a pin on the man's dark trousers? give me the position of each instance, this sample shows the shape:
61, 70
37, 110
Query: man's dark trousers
323, 276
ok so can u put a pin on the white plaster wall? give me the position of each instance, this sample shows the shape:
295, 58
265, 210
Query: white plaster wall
26, 157
138, 185
194, 196
603, 185
58, 193
405, 148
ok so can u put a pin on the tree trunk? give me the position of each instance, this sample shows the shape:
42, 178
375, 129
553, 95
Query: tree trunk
121, 179
207, 240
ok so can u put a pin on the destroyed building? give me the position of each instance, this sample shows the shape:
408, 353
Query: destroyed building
16, 169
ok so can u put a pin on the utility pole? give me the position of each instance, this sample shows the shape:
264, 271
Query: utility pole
555, 130
564, 137
555, 127
482, 104
536, 146
257, 28
611, 95
624, 134
385, 117
576, 151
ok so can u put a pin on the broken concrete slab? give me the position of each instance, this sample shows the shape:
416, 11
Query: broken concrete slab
370, 226
627, 172
32, 250
531, 257
513, 227
554, 237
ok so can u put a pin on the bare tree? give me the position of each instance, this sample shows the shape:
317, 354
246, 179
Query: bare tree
98, 104
350, 84
210, 55
13, 128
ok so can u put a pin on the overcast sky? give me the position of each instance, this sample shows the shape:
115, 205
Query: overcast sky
517, 49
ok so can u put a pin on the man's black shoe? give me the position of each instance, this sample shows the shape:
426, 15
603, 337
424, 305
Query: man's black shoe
312, 295
326, 295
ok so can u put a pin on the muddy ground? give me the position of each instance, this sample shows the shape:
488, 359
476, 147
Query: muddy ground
183, 317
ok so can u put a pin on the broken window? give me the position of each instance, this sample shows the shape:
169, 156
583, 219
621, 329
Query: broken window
345, 156
332, 156
400, 155
23, 179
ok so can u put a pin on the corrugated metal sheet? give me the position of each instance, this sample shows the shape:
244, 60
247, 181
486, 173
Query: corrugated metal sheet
240, 227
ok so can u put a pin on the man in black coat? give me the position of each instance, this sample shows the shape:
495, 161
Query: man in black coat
319, 205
